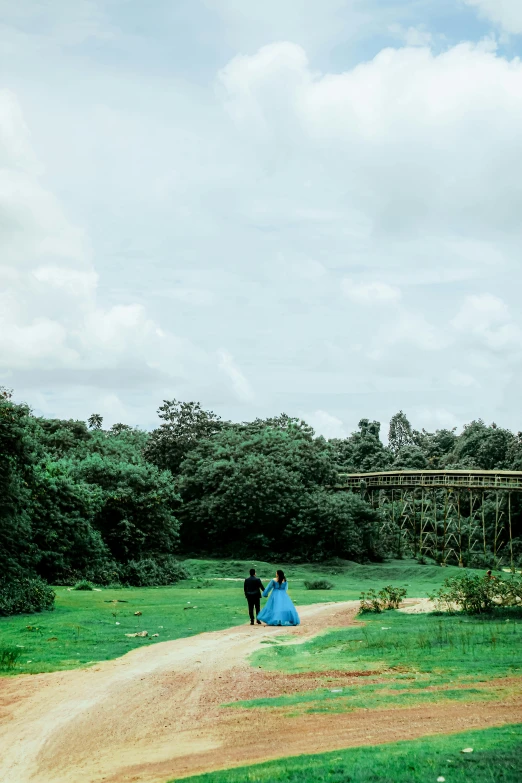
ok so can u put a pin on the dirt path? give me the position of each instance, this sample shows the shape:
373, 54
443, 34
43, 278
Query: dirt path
155, 713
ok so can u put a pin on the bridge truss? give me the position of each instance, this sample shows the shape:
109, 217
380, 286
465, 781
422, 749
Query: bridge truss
449, 515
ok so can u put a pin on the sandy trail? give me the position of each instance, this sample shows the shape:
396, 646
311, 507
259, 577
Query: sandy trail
155, 714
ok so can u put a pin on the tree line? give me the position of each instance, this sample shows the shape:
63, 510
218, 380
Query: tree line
121, 505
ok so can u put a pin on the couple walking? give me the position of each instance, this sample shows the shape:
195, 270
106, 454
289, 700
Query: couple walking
279, 609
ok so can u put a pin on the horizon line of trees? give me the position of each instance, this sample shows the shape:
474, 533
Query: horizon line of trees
122, 505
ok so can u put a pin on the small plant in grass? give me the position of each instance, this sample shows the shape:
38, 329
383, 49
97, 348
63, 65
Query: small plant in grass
203, 583
9, 657
84, 584
392, 596
318, 584
370, 602
388, 598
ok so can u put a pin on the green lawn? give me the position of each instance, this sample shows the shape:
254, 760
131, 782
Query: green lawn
83, 627
441, 646
496, 758
407, 655
368, 696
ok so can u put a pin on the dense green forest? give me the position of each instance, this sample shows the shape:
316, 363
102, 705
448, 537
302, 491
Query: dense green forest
121, 505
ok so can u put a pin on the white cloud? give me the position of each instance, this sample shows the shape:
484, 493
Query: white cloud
405, 133
305, 21
434, 418
411, 328
507, 14
72, 282
153, 193
50, 316
193, 296
325, 424
67, 23
370, 293
239, 382
41, 342
488, 319
412, 36
462, 379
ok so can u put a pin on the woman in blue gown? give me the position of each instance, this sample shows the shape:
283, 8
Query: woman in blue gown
279, 609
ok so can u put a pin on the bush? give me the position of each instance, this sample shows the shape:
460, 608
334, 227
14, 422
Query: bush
104, 573
9, 656
334, 524
388, 598
509, 591
370, 602
204, 583
318, 584
392, 596
25, 596
84, 584
475, 594
149, 573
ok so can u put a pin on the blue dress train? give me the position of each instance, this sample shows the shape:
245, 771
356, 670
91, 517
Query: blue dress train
279, 609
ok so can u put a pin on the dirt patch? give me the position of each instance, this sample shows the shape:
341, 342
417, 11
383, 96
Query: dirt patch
421, 606
156, 713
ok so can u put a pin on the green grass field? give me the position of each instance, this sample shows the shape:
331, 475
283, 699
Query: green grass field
86, 627
414, 659
443, 647
496, 758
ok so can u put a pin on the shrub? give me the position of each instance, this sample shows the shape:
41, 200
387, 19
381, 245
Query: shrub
392, 596
148, 572
318, 584
388, 598
105, 573
9, 656
204, 583
84, 584
25, 596
370, 602
509, 591
475, 594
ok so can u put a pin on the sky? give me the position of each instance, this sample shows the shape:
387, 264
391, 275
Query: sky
290, 206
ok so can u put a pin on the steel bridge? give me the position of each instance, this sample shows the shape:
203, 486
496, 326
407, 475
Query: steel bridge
449, 515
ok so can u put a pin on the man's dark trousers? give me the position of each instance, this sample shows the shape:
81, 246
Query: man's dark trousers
254, 602
253, 588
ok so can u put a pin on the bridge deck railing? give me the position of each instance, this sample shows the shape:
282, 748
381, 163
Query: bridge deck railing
501, 480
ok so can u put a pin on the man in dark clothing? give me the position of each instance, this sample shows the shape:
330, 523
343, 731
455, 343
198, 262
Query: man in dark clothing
253, 587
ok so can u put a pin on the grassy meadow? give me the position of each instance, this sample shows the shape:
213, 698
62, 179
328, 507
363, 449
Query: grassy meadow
443, 647
496, 757
87, 627
411, 659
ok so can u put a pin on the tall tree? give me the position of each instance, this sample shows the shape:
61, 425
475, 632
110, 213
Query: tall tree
483, 447
184, 425
400, 433
18, 453
239, 484
95, 421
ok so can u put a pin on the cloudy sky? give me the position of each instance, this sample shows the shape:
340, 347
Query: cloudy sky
300, 206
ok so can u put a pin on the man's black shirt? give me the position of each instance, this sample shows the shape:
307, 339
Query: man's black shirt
253, 587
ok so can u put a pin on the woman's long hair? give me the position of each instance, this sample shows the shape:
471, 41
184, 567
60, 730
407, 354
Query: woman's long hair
281, 576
